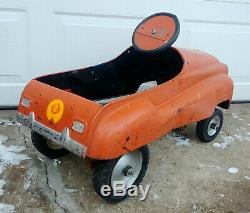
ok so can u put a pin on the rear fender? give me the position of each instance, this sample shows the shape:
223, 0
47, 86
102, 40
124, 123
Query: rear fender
118, 126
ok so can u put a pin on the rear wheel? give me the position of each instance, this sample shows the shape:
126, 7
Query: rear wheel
47, 147
208, 129
129, 169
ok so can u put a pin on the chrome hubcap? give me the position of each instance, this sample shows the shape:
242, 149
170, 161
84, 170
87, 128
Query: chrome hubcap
53, 145
213, 126
127, 169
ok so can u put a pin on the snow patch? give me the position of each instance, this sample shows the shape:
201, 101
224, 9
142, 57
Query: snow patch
215, 167
41, 160
233, 170
26, 184
195, 207
27, 179
9, 122
9, 155
227, 140
235, 115
179, 139
247, 177
66, 190
217, 145
243, 138
155, 197
56, 162
2, 183
7, 208
239, 137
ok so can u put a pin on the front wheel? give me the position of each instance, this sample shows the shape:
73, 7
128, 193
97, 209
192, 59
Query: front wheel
208, 129
128, 169
47, 147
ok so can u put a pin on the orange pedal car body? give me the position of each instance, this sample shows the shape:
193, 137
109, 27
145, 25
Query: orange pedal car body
132, 121
108, 110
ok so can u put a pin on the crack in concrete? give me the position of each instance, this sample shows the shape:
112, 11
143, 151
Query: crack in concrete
25, 139
62, 202
55, 182
54, 195
52, 192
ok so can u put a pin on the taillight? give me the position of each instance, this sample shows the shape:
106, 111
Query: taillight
26, 102
78, 126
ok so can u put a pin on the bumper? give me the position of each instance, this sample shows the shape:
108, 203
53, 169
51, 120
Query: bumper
62, 139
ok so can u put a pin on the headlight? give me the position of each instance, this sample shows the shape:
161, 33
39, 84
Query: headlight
26, 102
78, 126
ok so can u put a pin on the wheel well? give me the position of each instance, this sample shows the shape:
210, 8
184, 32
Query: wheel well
225, 104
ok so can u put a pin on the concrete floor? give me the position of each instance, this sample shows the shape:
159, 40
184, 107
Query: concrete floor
185, 175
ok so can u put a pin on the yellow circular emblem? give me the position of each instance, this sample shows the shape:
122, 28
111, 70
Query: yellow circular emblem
55, 110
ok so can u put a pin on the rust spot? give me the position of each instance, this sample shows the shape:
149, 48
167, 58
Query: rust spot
127, 139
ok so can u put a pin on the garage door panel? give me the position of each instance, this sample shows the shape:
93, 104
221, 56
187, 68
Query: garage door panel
138, 8
100, 7
228, 52
10, 93
40, 37
223, 40
216, 10
13, 45
86, 39
241, 91
221, 28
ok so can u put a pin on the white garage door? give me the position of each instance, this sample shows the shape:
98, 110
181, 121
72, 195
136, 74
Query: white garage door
44, 36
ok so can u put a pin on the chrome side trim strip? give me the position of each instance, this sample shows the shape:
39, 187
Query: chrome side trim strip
62, 139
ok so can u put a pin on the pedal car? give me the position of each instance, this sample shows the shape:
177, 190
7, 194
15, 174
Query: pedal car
111, 111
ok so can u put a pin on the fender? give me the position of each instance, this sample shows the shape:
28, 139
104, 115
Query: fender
122, 129
122, 125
